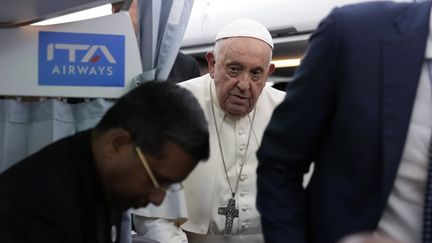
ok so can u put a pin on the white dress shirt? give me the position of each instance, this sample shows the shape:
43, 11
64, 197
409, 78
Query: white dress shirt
403, 216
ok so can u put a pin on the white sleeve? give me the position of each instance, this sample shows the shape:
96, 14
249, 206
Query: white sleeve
159, 230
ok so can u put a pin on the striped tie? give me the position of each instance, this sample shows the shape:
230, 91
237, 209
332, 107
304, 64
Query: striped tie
427, 216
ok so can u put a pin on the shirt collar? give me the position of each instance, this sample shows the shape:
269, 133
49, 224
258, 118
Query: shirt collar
428, 52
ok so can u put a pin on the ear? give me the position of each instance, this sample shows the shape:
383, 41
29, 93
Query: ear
211, 62
271, 69
117, 139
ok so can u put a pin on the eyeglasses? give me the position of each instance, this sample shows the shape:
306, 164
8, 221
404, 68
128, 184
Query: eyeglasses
171, 188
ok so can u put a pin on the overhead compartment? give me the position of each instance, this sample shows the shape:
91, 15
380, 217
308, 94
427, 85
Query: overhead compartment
23, 12
289, 21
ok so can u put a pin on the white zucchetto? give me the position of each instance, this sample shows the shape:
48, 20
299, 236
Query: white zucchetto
245, 28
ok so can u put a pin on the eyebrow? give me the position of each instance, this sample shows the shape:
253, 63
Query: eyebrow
234, 64
258, 68
261, 68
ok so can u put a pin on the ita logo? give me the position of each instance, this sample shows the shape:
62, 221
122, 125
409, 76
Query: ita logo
77, 59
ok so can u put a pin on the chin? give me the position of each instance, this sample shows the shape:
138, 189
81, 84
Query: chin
238, 113
126, 204
122, 206
235, 110
140, 205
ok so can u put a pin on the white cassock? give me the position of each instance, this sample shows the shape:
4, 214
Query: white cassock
206, 188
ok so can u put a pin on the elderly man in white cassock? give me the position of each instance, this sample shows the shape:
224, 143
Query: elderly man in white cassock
220, 193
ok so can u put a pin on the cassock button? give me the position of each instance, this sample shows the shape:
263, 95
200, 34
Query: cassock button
243, 177
113, 233
243, 194
241, 131
244, 225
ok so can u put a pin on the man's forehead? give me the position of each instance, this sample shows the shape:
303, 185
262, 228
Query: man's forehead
239, 54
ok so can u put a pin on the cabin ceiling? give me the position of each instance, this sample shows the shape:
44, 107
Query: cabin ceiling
22, 12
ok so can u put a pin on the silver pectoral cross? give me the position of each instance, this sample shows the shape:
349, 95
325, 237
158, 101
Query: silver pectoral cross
230, 213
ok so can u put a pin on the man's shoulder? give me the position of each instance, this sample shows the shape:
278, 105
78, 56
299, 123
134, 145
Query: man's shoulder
373, 9
196, 82
198, 86
43, 170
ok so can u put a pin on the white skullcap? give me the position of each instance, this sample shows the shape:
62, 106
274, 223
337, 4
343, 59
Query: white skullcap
245, 28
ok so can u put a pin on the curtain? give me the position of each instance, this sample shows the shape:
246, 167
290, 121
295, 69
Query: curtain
162, 24
26, 127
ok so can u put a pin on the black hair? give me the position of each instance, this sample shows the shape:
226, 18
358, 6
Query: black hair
158, 112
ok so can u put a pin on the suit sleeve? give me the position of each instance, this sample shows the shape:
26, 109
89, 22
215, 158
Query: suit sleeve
295, 135
9, 232
18, 228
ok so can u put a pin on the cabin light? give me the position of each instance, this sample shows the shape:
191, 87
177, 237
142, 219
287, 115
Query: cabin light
286, 62
81, 15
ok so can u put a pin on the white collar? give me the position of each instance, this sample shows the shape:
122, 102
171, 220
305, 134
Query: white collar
428, 52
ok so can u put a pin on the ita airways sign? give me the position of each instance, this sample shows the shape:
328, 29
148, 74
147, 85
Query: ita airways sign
78, 59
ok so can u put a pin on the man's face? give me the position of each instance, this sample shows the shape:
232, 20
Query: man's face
135, 188
240, 68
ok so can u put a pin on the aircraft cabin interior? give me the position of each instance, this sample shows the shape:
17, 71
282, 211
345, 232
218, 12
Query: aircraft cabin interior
58, 80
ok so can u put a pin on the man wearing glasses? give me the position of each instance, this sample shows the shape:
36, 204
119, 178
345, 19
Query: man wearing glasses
75, 189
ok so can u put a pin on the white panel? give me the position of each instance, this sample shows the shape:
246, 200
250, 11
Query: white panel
24, 11
19, 58
209, 16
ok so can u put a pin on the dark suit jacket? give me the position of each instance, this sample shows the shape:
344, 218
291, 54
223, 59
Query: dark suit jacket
348, 110
184, 68
55, 196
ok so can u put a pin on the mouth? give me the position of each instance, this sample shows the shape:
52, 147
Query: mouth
240, 96
239, 100
237, 105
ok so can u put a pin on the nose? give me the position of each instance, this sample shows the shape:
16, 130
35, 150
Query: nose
243, 82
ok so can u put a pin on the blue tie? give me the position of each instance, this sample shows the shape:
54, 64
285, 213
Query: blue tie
427, 215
